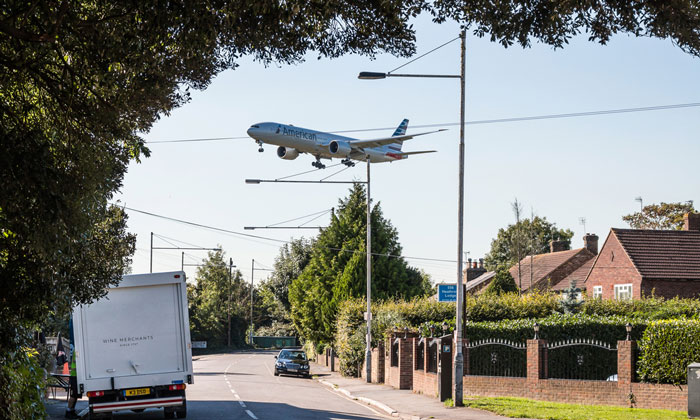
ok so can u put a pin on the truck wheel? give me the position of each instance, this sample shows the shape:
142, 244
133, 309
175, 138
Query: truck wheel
182, 411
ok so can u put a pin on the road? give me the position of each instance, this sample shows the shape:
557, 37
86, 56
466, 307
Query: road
241, 386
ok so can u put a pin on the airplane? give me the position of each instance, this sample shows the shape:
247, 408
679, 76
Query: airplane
293, 141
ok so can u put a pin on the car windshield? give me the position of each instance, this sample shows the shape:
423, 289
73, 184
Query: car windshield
293, 355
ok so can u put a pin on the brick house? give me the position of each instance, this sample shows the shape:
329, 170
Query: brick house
556, 269
634, 262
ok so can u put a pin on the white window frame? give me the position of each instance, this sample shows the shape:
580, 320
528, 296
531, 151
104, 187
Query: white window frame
621, 291
597, 292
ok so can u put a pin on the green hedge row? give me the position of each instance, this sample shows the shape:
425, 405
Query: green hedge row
558, 327
22, 383
667, 348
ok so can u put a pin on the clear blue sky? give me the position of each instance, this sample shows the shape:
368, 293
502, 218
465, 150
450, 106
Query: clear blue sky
563, 169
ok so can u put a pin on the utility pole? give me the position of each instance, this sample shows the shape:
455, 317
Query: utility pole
252, 273
228, 310
368, 347
458, 371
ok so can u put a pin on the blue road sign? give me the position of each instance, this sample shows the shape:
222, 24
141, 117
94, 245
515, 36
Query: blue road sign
447, 292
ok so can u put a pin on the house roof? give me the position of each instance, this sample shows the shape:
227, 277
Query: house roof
543, 266
479, 281
579, 275
662, 254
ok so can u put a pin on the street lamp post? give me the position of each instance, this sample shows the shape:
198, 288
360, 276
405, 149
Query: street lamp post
368, 344
459, 357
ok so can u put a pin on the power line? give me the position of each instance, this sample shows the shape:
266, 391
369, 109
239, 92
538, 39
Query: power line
276, 240
478, 122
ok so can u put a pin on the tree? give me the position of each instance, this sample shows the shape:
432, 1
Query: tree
538, 233
502, 283
289, 264
336, 271
660, 216
80, 81
209, 303
555, 22
571, 298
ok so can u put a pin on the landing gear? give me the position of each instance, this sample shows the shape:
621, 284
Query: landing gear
260, 144
318, 164
347, 162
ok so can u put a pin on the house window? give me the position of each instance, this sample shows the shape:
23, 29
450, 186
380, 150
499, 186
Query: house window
623, 291
597, 292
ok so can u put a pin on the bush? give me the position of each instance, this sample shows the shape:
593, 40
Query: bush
351, 328
666, 350
502, 283
557, 327
650, 307
22, 383
511, 306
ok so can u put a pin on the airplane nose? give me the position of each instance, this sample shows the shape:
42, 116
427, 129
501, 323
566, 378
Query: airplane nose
252, 131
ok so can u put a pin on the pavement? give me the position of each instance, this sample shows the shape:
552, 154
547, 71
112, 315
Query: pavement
400, 403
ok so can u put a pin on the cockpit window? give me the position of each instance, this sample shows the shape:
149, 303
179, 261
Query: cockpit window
254, 126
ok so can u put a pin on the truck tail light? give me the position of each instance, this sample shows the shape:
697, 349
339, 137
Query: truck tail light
177, 387
92, 394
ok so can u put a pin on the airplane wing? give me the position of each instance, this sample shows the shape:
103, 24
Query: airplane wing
416, 153
389, 140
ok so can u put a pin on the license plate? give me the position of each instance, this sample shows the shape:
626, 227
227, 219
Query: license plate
292, 370
137, 392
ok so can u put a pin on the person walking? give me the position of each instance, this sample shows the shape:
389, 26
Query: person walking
73, 395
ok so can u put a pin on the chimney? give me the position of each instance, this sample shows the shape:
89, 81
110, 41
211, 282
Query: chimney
475, 269
691, 221
590, 242
556, 246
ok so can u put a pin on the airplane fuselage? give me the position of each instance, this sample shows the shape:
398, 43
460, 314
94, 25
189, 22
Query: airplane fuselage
293, 140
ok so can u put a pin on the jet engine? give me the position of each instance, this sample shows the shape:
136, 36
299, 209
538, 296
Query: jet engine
340, 148
287, 153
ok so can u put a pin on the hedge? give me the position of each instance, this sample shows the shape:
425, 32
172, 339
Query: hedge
351, 327
511, 306
648, 308
558, 327
22, 384
667, 348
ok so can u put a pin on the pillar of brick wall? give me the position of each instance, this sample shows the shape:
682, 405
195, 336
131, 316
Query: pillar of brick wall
378, 364
625, 362
406, 363
536, 360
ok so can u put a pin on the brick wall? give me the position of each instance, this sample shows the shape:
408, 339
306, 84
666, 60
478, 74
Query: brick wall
377, 365
618, 393
424, 382
400, 376
612, 267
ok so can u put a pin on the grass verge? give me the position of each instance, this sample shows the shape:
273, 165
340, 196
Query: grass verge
524, 408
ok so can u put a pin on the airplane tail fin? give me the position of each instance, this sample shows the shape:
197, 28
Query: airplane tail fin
400, 131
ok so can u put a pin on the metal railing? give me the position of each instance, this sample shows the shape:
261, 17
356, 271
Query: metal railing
583, 359
497, 357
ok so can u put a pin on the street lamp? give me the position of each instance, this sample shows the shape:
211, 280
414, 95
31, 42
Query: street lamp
459, 357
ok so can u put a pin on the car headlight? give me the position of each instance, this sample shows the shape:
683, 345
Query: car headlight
279, 364
304, 366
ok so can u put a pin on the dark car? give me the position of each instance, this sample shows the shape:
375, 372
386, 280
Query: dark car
293, 362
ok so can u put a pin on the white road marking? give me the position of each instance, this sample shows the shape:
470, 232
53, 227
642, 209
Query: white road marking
241, 403
250, 413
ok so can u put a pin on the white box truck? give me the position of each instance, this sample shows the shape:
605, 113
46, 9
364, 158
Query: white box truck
133, 346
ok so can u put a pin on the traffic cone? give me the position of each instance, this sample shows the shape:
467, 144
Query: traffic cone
66, 371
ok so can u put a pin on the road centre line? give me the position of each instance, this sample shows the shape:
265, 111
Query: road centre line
241, 403
250, 413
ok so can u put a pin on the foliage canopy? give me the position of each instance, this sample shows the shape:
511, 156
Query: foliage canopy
528, 237
660, 216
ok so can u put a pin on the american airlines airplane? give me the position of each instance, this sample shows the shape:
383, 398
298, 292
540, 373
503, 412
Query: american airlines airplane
293, 141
